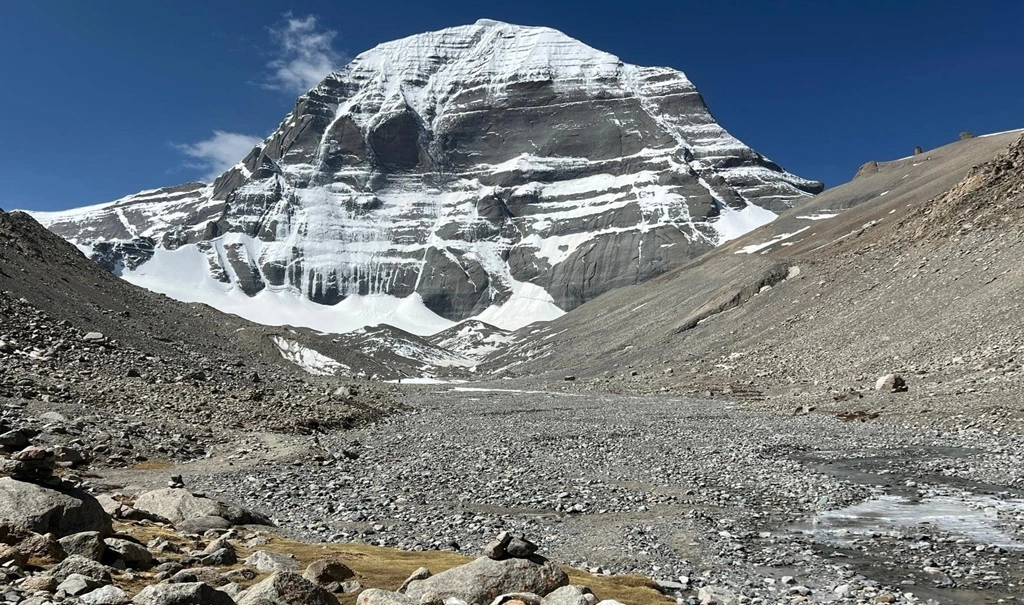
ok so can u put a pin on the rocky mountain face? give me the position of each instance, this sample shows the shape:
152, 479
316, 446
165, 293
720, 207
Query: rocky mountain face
493, 171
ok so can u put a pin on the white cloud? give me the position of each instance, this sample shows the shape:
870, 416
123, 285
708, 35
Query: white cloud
305, 55
218, 153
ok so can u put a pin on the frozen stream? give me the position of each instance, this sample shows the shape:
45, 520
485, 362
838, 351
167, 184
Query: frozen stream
968, 516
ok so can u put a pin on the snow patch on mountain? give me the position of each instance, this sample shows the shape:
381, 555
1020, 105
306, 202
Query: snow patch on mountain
182, 274
306, 358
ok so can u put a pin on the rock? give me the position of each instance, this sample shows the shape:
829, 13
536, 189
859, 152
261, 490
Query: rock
33, 464
13, 440
265, 561
496, 548
324, 573
53, 417
520, 548
11, 555
287, 588
376, 596
44, 510
77, 584
134, 555
42, 549
93, 337
110, 506
221, 556
566, 595
892, 383
242, 574
420, 574
105, 595
177, 505
88, 544
77, 564
201, 525
68, 455
221, 543
517, 598
232, 588
206, 575
481, 580
715, 595
45, 583
192, 593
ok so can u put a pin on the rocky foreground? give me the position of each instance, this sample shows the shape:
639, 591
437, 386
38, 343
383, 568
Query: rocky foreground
900, 493
61, 544
763, 505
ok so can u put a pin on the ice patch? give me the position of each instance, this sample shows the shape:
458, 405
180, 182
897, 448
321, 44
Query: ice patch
820, 216
483, 390
732, 224
969, 516
183, 274
995, 134
751, 249
424, 380
309, 360
529, 303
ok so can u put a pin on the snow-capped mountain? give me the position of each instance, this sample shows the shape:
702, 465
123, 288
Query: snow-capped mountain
493, 171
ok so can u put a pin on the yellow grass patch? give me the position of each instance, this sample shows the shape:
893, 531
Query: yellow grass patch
387, 568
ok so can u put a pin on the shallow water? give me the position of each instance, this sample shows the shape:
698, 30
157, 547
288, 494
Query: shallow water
975, 518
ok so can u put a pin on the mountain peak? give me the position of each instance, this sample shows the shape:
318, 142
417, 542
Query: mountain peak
492, 171
489, 23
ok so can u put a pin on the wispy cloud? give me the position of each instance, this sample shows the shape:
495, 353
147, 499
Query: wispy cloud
218, 153
305, 54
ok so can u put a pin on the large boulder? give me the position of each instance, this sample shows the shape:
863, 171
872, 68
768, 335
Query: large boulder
265, 561
77, 564
133, 554
48, 510
105, 595
567, 595
88, 544
482, 580
178, 505
193, 593
76, 584
328, 574
287, 588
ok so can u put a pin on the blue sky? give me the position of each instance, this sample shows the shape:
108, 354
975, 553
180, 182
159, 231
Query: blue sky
102, 99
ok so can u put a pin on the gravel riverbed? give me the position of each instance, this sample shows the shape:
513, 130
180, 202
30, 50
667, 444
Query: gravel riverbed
687, 491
